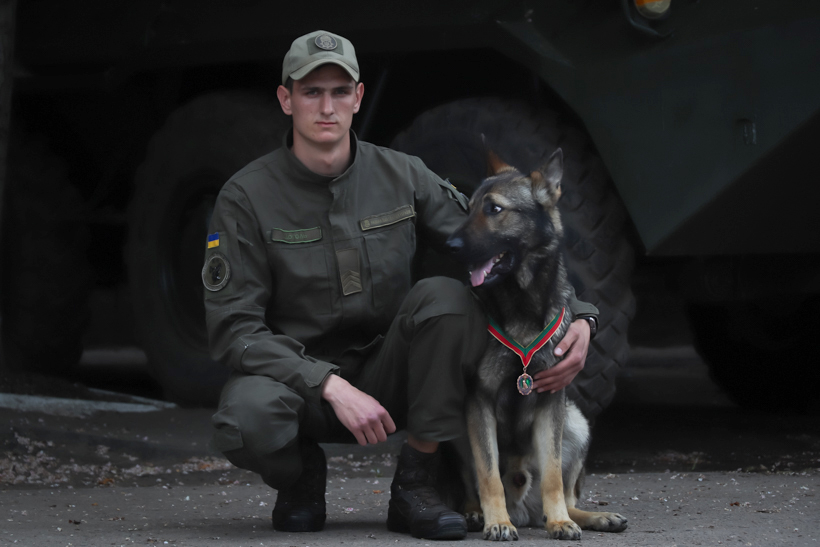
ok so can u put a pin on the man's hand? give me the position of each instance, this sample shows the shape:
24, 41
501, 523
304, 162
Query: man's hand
359, 412
574, 346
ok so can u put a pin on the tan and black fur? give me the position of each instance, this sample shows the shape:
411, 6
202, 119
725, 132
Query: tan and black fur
528, 451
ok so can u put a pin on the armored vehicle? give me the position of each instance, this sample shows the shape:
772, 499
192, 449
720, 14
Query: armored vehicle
689, 130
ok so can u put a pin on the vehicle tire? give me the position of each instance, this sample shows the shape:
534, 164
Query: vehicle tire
762, 354
600, 259
201, 145
46, 275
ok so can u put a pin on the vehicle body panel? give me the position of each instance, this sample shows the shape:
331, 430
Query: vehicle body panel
682, 122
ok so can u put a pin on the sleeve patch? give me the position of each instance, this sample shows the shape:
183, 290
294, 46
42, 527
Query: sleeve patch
216, 273
213, 240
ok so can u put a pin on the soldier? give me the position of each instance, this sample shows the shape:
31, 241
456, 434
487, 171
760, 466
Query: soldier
309, 300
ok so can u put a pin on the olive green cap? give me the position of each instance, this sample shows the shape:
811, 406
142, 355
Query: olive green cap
319, 48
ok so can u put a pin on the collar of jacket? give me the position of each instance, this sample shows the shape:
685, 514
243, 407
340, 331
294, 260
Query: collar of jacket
298, 172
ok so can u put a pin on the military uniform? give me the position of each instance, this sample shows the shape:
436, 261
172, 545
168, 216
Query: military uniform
308, 275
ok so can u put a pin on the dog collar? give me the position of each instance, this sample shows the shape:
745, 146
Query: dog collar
526, 353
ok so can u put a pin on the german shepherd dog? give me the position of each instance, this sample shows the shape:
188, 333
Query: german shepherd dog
517, 438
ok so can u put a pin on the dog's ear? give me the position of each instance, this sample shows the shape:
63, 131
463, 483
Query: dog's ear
546, 182
495, 165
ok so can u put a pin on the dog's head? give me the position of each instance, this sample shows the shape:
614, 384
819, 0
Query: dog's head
513, 223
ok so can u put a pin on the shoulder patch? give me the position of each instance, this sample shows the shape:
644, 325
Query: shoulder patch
459, 198
216, 273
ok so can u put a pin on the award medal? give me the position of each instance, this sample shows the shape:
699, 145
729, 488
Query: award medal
526, 353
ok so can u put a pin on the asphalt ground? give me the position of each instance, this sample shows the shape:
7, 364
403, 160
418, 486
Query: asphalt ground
672, 454
664, 509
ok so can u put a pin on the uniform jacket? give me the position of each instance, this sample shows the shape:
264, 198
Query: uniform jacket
304, 273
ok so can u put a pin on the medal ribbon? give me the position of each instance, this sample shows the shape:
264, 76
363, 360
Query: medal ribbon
526, 353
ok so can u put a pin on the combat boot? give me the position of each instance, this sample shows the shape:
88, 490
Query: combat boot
301, 507
415, 506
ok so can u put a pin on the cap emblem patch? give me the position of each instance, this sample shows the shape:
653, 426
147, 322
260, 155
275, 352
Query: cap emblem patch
326, 42
216, 272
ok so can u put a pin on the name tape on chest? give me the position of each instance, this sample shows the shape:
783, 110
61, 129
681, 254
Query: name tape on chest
308, 235
386, 219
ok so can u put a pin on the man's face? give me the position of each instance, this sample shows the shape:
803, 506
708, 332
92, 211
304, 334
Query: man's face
322, 105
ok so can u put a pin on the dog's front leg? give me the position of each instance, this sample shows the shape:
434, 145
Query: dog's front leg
481, 427
548, 427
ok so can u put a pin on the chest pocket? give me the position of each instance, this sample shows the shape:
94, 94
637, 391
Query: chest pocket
299, 267
390, 239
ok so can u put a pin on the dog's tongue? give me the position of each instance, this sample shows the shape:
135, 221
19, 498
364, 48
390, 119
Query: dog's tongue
480, 272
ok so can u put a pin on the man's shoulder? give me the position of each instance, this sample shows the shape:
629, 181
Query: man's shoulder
372, 152
246, 183
259, 169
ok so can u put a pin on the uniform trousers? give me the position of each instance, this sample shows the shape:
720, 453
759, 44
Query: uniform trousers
418, 375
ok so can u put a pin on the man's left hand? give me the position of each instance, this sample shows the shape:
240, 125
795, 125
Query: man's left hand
574, 348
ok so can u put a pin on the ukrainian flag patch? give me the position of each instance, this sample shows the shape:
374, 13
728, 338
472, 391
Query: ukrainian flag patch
213, 240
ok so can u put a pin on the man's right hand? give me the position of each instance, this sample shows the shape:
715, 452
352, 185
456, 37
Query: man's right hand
359, 412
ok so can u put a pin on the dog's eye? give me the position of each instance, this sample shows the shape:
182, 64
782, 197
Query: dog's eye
493, 209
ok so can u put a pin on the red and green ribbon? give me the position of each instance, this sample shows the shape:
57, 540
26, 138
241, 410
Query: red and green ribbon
526, 352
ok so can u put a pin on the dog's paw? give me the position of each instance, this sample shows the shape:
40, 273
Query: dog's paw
563, 529
475, 521
608, 522
504, 531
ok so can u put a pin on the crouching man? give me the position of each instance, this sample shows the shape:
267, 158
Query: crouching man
309, 300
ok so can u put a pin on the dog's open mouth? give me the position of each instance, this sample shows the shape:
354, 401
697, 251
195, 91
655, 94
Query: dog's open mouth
492, 270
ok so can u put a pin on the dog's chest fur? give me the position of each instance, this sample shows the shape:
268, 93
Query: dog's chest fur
497, 376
